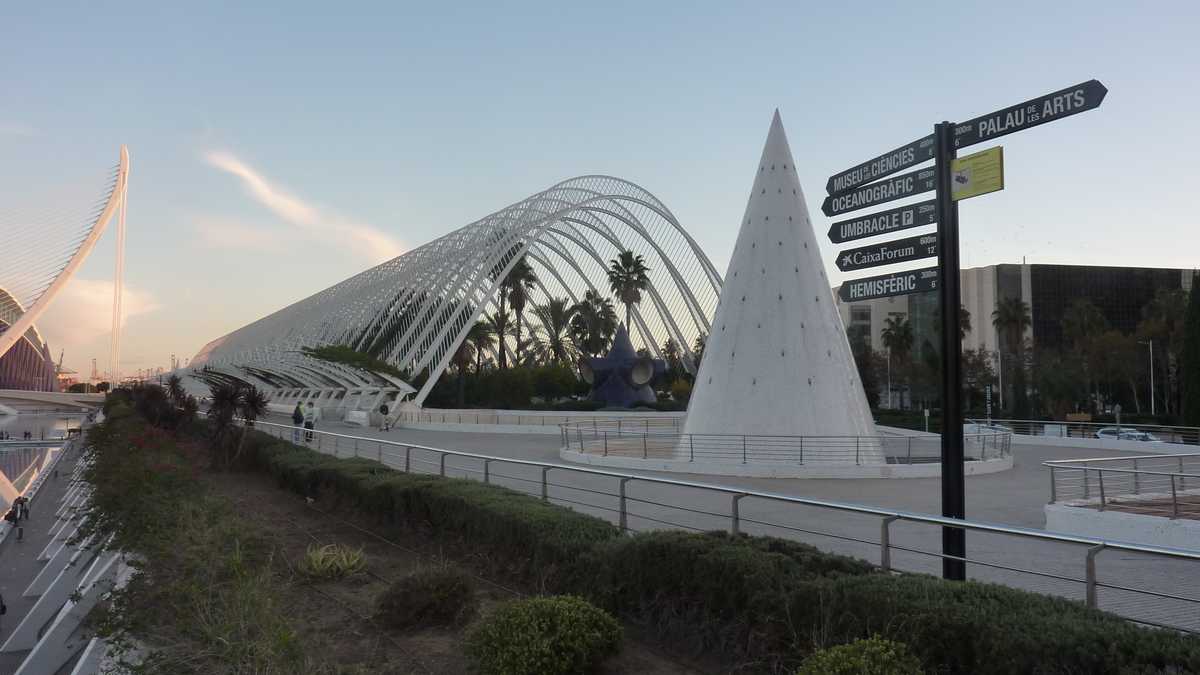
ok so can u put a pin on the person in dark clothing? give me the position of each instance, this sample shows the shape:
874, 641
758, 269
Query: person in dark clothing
297, 420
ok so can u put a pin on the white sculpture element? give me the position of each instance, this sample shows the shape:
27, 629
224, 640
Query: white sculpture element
777, 362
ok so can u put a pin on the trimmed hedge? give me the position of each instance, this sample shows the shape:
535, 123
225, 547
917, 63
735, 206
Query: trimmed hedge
561, 635
971, 627
762, 602
526, 536
712, 591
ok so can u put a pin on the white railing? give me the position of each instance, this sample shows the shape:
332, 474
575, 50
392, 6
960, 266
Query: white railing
549, 418
622, 439
1159, 432
1048, 562
1162, 485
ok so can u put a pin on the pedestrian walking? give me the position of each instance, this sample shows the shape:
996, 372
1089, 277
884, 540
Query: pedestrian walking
297, 420
24, 507
310, 422
383, 417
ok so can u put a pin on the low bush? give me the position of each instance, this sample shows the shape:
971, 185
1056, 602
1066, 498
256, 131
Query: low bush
332, 561
560, 635
872, 656
436, 596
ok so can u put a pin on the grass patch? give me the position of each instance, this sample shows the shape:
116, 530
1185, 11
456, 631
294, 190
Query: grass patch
332, 561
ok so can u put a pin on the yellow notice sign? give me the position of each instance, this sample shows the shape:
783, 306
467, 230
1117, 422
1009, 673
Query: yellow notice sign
977, 174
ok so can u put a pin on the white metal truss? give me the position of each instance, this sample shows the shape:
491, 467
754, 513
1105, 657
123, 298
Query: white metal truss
415, 310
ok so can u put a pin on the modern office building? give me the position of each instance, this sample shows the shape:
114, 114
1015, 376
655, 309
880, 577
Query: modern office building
1120, 293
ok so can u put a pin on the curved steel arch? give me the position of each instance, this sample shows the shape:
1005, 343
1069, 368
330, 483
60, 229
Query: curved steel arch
415, 310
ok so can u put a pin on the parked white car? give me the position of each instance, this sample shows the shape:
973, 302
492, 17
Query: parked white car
1122, 434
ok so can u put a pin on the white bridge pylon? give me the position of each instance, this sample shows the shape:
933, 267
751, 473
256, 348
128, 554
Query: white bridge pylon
61, 245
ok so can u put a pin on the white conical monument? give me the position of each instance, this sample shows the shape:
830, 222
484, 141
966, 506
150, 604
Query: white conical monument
777, 362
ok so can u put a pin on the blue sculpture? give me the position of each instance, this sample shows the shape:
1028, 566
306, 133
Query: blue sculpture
622, 378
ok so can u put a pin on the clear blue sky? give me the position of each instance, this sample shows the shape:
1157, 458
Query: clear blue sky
382, 124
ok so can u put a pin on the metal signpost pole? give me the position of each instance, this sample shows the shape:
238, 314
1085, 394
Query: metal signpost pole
954, 541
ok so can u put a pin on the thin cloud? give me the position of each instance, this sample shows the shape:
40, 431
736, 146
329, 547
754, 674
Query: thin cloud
225, 234
362, 240
83, 311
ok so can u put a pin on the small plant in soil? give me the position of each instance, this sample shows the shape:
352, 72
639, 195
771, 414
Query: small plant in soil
435, 596
332, 561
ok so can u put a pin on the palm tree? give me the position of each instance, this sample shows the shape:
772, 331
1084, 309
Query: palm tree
1011, 318
897, 337
519, 281
554, 343
628, 276
462, 357
1082, 325
593, 323
252, 405
498, 327
481, 338
175, 389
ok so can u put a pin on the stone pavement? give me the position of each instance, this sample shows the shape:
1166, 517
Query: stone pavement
18, 559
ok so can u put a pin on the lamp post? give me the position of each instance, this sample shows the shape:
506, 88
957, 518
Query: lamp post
890, 400
1150, 343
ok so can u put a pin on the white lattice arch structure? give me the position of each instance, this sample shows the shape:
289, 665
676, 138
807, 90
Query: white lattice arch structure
413, 311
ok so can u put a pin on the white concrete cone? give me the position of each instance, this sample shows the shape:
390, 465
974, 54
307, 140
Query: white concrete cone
778, 362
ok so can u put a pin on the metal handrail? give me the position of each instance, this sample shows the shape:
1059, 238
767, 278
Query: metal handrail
1173, 455
909, 516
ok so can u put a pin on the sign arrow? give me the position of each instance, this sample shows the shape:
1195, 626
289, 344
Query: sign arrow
888, 253
890, 285
920, 150
887, 190
1049, 108
884, 222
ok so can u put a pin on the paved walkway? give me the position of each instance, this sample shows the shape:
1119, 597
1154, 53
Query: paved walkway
18, 563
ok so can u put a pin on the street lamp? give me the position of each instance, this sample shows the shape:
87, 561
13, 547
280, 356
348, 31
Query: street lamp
1150, 343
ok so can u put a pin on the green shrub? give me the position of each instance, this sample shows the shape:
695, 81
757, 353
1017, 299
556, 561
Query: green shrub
332, 561
873, 656
710, 591
970, 627
560, 635
437, 596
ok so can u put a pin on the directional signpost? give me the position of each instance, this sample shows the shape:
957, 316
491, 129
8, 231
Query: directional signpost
888, 253
953, 180
890, 285
891, 189
884, 222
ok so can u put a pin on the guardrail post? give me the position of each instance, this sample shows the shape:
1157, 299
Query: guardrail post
743, 449
885, 543
1182, 480
910, 449
801, 449
1086, 492
579, 430
356, 447
1091, 574
442, 465
644, 454
1053, 487
486, 470
856, 439
1174, 500
1136, 478
407, 457
1100, 474
735, 524
606, 443
379, 451
545, 485
623, 512
692, 448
